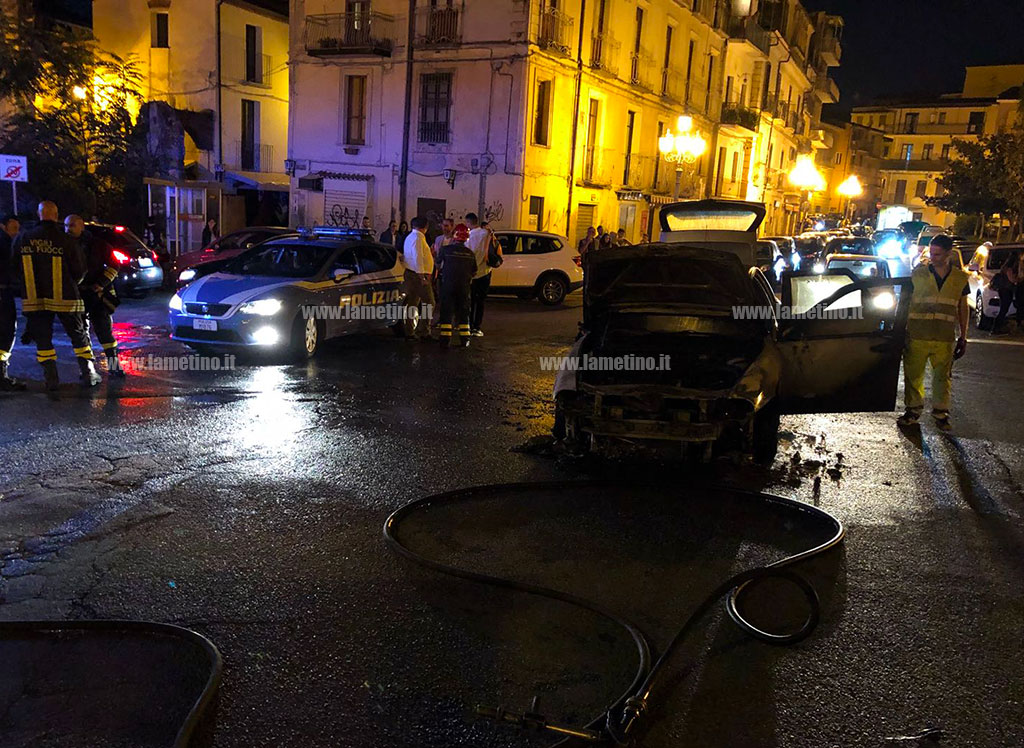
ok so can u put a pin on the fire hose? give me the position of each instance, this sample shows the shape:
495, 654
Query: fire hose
623, 721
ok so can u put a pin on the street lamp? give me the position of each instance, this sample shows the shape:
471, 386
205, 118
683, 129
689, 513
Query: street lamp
850, 189
682, 148
806, 178
79, 93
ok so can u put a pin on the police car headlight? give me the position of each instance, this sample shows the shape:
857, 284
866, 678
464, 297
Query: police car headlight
186, 275
262, 307
175, 303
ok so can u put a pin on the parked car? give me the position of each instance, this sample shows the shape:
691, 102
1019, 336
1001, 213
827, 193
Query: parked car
810, 246
138, 267
787, 246
537, 264
983, 267
923, 240
860, 265
722, 377
291, 294
844, 245
192, 265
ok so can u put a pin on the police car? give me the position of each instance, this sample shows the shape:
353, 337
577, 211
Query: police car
292, 293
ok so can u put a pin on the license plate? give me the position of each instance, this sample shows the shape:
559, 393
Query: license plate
205, 324
145, 262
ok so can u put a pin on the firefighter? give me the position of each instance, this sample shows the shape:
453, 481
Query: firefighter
8, 311
97, 289
458, 266
48, 268
936, 332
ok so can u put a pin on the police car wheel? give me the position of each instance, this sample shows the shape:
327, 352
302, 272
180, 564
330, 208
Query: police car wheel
306, 337
552, 289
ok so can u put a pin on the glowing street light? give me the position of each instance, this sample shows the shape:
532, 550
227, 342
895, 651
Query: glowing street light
850, 189
79, 93
806, 178
682, 148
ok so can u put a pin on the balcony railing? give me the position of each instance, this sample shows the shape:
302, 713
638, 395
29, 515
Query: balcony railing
673, 84
944, 128
734, 113
438, 26
746, 29
554, 31
640, 68
433, 132
360, 33
830, 51
253, 156
918, 164
598, 167
639, 172
604, 54
259, 73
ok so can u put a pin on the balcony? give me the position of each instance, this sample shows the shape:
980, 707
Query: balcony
673, 85
249, 156
825, 88
737, 116
919, 164
829, 50
438, 26
554, 31
745, 29
639, 172
604, 54
641, 68
944, 128
598, 167
360, 33
257, 71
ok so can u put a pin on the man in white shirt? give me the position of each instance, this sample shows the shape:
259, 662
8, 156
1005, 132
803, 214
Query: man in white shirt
480, 242
446, 237
419, 269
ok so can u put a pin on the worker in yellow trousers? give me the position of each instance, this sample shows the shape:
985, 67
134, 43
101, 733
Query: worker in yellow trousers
936, 332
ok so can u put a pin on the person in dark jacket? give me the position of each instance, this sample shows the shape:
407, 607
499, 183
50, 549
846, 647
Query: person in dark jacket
8, 311
210, 233
458, 266
97, 288
48, 268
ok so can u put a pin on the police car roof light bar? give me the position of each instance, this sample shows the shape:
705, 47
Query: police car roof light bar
335, 232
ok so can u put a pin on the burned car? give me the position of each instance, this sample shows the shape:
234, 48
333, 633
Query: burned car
684, 350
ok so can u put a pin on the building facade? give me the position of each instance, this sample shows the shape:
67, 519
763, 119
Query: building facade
546, 114
221, 67
920, 138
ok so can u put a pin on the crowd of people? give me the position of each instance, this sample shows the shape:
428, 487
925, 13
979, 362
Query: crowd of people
61, 273
454, 270
600, 239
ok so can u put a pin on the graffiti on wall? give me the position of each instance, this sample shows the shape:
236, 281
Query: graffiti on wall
494, 212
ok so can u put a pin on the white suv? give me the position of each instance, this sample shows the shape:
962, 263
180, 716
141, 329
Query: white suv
984, 266
537, 264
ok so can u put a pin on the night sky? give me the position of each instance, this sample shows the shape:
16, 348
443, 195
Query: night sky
915, 47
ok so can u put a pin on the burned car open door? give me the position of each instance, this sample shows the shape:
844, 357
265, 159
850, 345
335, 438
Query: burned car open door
841, 340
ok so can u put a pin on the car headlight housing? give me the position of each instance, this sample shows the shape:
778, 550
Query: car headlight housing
186, 275
175, 303
261, 307
819, 267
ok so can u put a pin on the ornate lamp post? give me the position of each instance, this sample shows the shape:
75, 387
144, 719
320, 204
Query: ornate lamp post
850, 189
806, 178
682, 148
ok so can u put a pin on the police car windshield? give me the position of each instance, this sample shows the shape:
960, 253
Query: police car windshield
283, 261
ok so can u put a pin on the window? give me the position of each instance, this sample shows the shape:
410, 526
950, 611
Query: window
639, 35
942, 118
728, 90
735, 164
250, 150
435, 107
911, 122
355, 110
657, 160
592, 121
630, 125
921, 188
839, 158
901, 191
689, 67
907, 152
542, 114
536, 220
375, 257
926, 151
540, 245
160, 37
945, 150
668, 59
253, 54
977, 122
510, 244
711, 82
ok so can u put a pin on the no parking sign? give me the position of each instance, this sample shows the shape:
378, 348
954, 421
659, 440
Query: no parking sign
13, 168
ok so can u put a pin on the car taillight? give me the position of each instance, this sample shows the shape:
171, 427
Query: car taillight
121, 258
155, 258
578, 259
119, 229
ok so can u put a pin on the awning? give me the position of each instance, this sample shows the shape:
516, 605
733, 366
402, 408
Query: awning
267, 181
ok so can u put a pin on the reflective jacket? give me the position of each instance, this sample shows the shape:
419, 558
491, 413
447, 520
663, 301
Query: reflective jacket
48, 267
933, 311
100, 271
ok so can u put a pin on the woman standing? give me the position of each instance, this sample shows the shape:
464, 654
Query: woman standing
210, 233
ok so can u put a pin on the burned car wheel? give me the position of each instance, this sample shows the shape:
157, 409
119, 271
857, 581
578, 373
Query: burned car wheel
765, 441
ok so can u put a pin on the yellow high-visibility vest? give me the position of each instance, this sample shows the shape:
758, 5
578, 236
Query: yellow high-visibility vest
932, 309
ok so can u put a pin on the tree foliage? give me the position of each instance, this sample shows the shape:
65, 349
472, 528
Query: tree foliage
72, 116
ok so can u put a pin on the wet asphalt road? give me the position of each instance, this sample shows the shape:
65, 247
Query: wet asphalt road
248, 505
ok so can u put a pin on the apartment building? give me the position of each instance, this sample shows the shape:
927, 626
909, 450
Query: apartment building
854, 150
920, 136
533, 113
220, 67
777, 79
